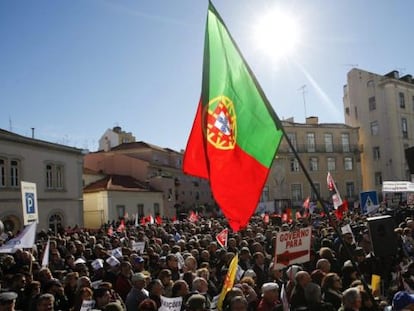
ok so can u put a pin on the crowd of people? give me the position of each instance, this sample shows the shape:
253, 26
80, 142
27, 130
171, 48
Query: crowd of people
105, 270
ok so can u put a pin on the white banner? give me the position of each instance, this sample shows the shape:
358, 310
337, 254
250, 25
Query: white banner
29, 202
87, 305
292, 247
25, 239
139, 247
171, 304
45, 259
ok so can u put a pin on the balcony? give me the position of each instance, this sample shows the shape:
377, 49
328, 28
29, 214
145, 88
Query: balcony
321, 148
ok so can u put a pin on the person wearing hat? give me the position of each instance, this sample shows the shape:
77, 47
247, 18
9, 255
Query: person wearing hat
403, 301
270, 298
138, 293
7, 301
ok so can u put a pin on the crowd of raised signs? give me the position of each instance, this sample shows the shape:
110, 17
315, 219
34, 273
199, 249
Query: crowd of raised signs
180, 266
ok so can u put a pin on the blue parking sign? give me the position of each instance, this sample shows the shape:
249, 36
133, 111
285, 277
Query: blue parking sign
30, 203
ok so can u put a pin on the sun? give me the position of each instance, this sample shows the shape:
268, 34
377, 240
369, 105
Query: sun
277, 34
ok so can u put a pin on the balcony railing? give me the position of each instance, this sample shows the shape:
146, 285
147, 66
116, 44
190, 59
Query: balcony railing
320, 148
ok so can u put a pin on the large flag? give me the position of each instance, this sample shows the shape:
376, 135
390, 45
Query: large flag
336, 197
25, 239
228, 281
45, 259
236, 133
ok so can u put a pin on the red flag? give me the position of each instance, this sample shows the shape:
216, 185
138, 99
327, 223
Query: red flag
284, 217
289, 214
236, 133
306, 203
158, 220
143, 221
121, 227
222, 238
336, 197
193, 217
298, 215
339, 212
110, 231
266, 218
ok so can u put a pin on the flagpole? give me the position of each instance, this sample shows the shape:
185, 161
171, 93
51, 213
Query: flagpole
326, 210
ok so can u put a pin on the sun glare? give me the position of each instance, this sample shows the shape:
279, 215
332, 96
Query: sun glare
277, 34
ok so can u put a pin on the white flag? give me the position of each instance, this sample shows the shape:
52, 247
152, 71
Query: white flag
45, 259
336, 197
26, 239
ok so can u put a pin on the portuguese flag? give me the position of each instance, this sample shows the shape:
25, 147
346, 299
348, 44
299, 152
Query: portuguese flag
236, 133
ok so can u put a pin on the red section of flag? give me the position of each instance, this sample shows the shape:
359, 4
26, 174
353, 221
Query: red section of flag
158, 220
193, 217
110, 231
306, 203
266, 218
222, 237
121, 227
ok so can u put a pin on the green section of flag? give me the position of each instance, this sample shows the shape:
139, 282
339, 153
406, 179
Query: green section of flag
228, 74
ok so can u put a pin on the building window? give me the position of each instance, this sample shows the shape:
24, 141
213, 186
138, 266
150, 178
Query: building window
318, 188
348, 164
350, 189
294, 165
313, 164
374, 128
356, 112
2, 173
14, 173
378, 178
55, 223
310, 141
59, 176
376, 153
265, 194
370, 83
49, 176
156, 208
372, 104
345, 142
140, 210
120, 211
331, 164
296, 190
404, 127
292, 138
412, 100
55, 176
402, 100
328, 142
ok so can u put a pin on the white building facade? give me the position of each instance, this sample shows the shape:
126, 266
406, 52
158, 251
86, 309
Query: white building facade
56, 170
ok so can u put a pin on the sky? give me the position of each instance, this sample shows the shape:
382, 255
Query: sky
72, 69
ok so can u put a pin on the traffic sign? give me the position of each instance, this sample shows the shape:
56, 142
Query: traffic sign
29, 202
369, 202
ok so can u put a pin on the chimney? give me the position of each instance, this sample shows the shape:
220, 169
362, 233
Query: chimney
312, 120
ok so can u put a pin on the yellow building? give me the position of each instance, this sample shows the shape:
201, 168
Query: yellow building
321, 147
382, 106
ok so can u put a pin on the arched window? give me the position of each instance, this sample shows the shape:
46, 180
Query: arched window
55, 222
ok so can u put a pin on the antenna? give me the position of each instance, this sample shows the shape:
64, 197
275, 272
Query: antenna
10, 125
303, 90
351, 65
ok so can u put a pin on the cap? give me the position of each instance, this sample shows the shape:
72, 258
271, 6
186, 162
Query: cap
269, 287
196, 302
7, 296
402, 300
139, 260
138, 277
79, 260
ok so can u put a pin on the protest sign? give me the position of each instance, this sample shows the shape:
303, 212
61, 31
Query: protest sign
292, 247
171, 304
